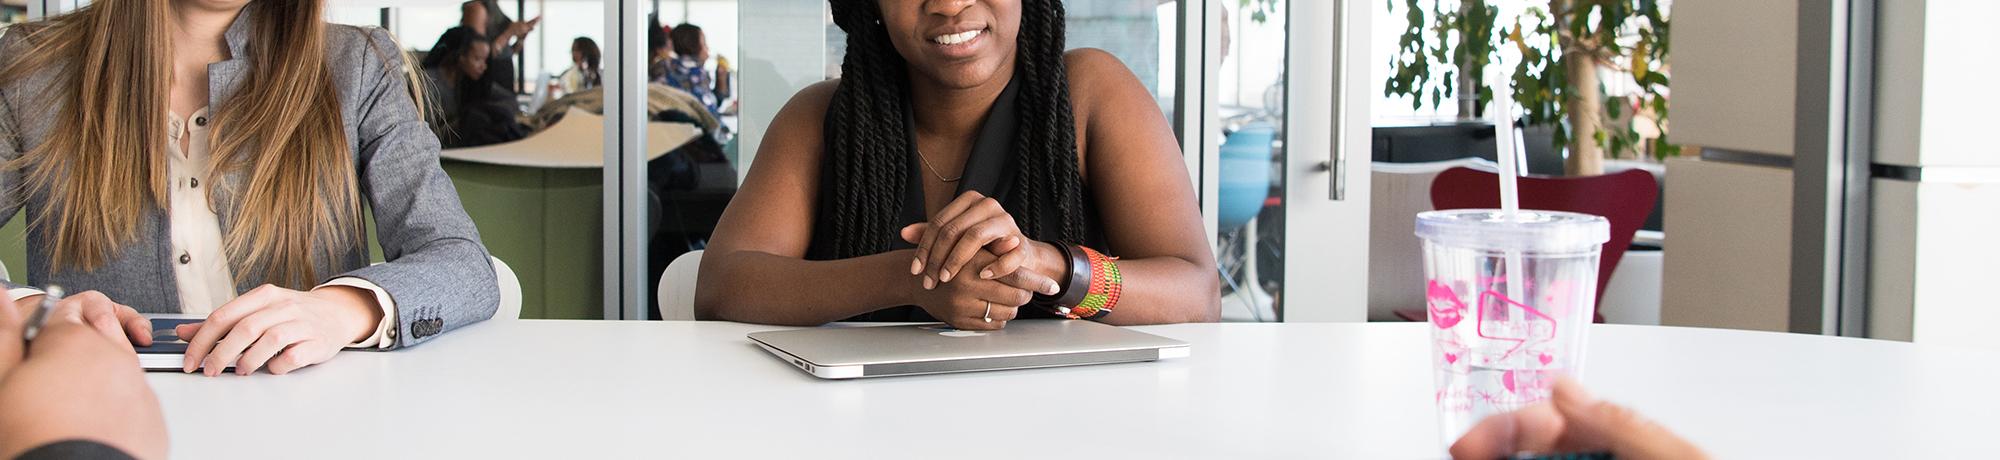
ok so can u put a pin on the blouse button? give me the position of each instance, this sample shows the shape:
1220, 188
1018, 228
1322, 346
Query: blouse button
201, 121
194, 183
185, 258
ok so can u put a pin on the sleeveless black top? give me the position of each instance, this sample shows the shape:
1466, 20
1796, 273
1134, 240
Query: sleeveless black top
990, 170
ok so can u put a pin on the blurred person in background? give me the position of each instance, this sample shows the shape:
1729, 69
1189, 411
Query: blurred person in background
506, 36
687, 71
470, 110
659, 49
586, 70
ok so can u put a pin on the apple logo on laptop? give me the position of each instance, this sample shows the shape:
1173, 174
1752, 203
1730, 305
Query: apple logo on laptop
949, 331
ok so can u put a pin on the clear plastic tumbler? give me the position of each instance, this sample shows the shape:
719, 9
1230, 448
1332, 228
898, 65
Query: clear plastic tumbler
1510, 300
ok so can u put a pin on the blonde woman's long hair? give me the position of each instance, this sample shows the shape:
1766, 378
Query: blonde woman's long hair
103, 166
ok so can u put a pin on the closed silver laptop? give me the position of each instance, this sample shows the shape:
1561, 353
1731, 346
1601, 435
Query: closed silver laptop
880, 351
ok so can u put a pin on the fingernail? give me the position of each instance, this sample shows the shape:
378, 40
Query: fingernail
1051, 289
916, 266
986, 274
928, 284
944, 276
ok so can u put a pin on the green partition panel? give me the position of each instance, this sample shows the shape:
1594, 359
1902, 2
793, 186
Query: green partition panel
14, 247
548, 225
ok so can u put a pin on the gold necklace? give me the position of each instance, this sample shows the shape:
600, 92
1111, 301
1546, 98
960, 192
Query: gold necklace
934, 172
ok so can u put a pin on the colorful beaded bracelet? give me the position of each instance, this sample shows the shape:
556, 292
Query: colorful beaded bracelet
1106, 283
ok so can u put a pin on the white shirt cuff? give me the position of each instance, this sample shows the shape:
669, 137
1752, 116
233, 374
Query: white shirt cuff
385, 332
16, 294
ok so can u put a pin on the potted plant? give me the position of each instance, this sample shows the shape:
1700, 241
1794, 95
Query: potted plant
1564, 52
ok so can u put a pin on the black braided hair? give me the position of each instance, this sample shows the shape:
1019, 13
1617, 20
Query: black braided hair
862, 183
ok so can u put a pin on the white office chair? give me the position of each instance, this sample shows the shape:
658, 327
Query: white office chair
1395, 256
677, 287
510, 291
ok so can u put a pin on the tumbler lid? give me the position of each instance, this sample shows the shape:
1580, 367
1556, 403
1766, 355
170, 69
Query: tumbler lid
1524, 230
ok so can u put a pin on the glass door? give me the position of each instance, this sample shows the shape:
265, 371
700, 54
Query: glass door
1289, 209
560, 195
1248, 113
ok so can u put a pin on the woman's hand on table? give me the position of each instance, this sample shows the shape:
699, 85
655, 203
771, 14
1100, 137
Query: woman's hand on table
279, 329
1572, 422
98, 311
78, 381
970, 224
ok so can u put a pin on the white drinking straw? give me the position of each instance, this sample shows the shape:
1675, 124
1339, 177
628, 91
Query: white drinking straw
1506, 152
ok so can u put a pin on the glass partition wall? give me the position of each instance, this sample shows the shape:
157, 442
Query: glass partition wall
558, 188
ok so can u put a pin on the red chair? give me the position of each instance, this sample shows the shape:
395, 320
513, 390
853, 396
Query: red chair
1624, 198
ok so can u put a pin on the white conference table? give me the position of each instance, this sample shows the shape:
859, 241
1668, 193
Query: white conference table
596, 389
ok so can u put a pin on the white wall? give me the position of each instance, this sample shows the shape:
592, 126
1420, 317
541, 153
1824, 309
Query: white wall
1935, 83
1735, 70
1728, 254
1892, 265
1934, 285
1728, 257
1930, 264
784, 44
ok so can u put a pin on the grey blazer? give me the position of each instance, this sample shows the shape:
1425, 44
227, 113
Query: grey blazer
437, 270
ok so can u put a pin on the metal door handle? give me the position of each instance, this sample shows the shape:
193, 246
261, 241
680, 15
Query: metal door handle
1336, 163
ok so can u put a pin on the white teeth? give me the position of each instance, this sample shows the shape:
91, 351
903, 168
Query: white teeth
956, 38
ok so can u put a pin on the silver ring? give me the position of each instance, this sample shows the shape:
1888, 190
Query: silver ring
989, 311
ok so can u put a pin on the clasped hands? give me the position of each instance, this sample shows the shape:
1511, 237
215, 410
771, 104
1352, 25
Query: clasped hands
973, 269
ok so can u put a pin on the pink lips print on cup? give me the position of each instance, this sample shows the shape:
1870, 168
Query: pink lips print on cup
1499, 338
1445, 308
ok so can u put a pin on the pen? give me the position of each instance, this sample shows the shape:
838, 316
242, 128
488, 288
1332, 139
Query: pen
1566, 456
41, 315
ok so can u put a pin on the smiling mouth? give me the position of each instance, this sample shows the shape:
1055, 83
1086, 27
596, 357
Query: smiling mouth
957, 38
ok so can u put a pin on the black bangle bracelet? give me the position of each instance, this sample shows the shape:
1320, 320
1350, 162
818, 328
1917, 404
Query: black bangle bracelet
1079, 278
1062, 282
